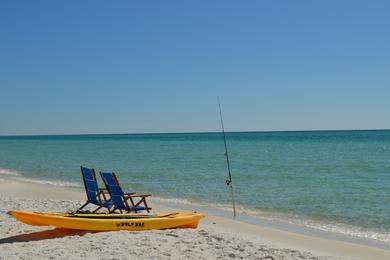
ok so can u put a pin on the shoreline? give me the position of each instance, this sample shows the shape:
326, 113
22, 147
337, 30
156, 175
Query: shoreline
282, 225
214, 224
283, 222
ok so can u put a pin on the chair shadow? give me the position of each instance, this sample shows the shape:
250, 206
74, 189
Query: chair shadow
46, 234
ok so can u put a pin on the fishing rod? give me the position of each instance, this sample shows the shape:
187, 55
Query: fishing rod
229, 182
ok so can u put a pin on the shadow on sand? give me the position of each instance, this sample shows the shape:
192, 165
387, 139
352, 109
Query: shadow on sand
46, 234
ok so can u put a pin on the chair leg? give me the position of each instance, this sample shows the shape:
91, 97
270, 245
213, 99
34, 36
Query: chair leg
97, 209
143, 201
85, 204
146, 206
128, 207
106, 206
112, 210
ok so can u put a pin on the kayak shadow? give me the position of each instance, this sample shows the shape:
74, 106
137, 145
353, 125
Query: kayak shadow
45, 234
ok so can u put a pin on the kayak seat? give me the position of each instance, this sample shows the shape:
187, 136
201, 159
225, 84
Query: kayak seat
129, 202
95, 195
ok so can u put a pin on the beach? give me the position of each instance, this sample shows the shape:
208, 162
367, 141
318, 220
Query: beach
216, 237
265, 120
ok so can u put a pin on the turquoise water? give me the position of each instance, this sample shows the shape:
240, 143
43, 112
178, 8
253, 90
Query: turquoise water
329, 180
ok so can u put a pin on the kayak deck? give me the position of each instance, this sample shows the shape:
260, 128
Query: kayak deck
110, 222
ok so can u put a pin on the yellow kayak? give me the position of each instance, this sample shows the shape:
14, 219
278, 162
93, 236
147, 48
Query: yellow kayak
110, 222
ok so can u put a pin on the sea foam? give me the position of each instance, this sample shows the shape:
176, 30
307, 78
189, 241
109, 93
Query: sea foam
50, 182
16, 175
9, 172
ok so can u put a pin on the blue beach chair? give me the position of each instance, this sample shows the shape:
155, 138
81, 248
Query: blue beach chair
120, 199
95, 195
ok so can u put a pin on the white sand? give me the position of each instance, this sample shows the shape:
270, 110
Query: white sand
216, 237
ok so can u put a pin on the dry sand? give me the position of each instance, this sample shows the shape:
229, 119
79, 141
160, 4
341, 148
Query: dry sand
215, 238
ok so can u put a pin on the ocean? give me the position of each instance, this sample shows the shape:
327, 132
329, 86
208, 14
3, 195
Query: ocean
336, 181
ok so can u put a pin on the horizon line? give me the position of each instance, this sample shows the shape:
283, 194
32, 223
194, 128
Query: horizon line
198, 132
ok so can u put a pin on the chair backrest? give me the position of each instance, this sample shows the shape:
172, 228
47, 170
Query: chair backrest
91, 185
114, 188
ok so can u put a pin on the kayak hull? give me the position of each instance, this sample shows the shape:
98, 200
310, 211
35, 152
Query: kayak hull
110, 222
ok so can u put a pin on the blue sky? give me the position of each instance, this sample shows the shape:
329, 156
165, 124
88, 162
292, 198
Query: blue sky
158, 66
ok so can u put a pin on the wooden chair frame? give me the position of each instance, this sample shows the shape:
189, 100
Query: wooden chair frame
127, 197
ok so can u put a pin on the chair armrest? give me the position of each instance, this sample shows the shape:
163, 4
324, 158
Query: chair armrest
141, 195
129, 193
